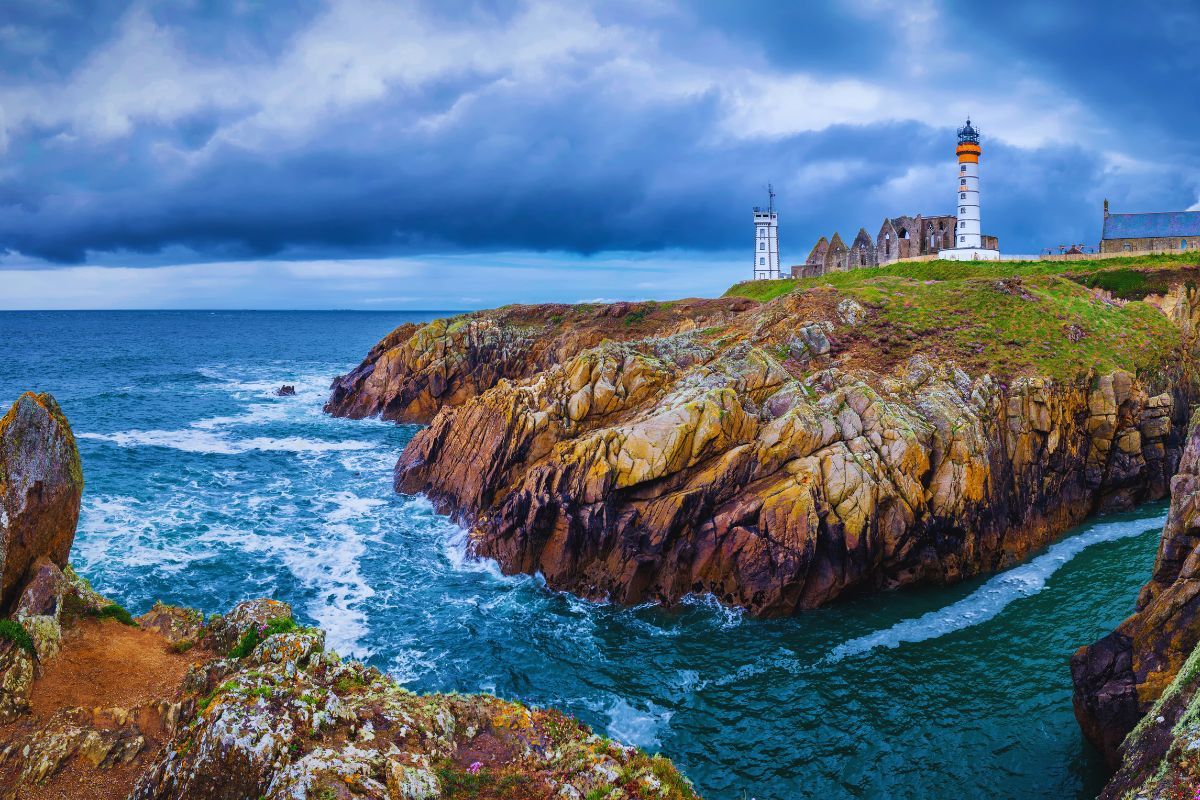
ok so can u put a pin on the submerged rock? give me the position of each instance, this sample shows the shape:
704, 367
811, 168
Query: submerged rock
287, 390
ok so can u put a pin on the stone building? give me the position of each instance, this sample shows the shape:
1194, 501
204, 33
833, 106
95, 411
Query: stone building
836, 256
1166, 231
898, 237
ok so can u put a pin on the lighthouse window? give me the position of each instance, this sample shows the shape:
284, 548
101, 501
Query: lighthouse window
962, 182
762, 245
962, 224
962, 238
962, 195
962, 209
762, 262
963, 168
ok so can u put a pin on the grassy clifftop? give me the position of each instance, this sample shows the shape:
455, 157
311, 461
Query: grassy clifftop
1119, 275
1011, 318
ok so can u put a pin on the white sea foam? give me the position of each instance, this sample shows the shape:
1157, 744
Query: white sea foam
728, 616
631, 725
122, 532
193, 440
994, 596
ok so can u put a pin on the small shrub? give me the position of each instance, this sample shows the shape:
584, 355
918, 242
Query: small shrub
457, 782
255, 636
12, 630
115, 611
348, 683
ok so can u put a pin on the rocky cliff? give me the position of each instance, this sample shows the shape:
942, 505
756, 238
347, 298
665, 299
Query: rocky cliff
1146, 669
251, 704
417, 369
828, 442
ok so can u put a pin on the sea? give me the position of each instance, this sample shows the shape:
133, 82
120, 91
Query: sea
203, 489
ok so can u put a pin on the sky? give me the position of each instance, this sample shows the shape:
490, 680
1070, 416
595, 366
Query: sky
456, 155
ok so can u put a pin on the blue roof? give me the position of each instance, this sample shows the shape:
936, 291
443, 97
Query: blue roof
1164, 224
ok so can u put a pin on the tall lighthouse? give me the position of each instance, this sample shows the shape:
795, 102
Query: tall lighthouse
968, 241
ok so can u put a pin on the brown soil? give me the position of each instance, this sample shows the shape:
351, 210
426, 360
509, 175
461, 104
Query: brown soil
103, 664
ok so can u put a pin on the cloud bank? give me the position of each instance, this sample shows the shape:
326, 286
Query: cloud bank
186, 134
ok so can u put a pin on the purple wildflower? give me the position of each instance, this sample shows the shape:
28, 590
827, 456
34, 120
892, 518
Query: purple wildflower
475, 767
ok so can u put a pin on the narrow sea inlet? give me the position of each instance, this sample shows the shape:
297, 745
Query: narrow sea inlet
204, 488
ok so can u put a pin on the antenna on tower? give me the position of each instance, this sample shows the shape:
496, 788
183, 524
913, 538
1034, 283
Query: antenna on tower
770, 198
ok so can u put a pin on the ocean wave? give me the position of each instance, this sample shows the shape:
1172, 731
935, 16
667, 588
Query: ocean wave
642, 727
192, 440
994, 596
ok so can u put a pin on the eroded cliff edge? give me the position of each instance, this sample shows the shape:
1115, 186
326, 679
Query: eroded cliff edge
842, 438
1136, 689
96, 704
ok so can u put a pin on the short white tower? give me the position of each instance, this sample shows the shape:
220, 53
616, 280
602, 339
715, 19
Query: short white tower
766, 240
968, 240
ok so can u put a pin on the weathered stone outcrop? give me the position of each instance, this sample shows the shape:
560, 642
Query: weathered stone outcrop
1121, 676
418, 369
649, 471
40, 485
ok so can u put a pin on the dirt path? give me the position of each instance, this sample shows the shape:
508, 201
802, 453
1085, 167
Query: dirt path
103, 664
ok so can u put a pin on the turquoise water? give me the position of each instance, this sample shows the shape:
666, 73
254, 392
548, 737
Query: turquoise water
204, 489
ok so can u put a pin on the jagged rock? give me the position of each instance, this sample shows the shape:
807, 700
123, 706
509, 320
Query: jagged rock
40, 485
851, 312
624, 475
40, 605
177, 625
287, 390
293, 720
227, 631
16, 680
418, 369
1119, 677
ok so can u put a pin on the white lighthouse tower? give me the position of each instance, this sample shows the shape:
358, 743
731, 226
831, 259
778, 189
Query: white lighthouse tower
968, 240
766, 240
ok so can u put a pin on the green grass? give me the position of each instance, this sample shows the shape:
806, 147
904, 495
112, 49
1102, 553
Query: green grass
255, 636
13, 632
973, 314
1016, 329
765, 291
115, 611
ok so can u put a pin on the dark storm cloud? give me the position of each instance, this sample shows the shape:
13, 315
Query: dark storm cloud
244, 132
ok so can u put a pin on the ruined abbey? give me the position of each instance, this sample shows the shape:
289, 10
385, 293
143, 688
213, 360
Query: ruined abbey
898, 237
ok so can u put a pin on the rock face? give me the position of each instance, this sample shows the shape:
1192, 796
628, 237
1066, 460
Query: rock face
418, 369
290, 719
649, 472
41, 482
777, 456
1120, 677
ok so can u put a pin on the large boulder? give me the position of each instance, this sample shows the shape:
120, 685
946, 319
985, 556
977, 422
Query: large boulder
41, 481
